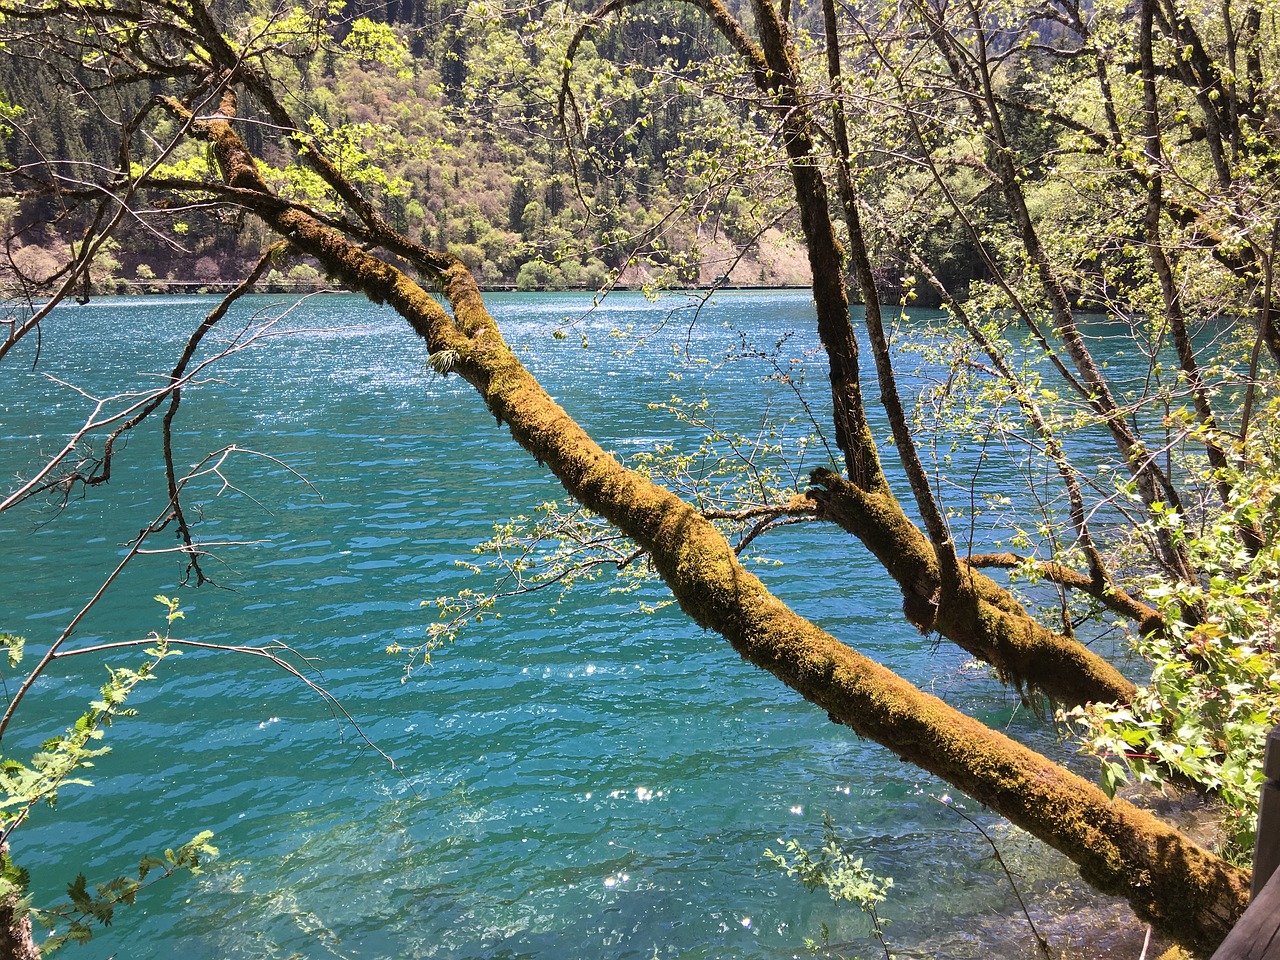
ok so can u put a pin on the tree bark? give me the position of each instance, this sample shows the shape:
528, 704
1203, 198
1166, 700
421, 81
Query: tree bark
979, 616
16, 939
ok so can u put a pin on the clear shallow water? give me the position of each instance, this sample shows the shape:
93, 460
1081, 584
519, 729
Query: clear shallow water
598, 783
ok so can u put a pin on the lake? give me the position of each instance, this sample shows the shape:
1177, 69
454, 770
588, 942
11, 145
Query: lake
601, 781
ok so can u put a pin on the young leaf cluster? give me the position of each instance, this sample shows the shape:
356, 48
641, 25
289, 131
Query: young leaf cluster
835, 869
73, 920
1214, 692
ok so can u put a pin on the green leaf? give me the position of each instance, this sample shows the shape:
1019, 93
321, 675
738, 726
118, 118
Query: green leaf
1112, 777
15, 645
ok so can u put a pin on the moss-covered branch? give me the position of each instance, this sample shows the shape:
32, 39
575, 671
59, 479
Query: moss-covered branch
1147, 618
980, 616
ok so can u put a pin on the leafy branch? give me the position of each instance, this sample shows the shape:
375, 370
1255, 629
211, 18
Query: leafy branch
836, 870
84, 907
54, 765
1214, 692
59, 763
744, 483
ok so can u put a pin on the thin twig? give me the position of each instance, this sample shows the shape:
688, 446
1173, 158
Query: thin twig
1045, 950
269, 652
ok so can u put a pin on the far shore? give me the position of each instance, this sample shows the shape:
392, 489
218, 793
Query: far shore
197, 287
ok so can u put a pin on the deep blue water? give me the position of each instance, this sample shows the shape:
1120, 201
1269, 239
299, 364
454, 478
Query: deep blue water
601, 782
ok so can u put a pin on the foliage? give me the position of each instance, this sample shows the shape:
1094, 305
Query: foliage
440, 113
58, 764
836, 870
25, 786
552, 550
1214, 692
72, 921
379, 43
727, 472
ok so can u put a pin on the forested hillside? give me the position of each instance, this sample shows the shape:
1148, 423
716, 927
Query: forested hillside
451, 119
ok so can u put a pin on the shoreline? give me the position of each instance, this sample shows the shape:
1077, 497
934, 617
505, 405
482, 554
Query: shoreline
201, 287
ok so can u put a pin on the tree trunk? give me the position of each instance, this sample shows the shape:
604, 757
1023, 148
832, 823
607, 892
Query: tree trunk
16, 940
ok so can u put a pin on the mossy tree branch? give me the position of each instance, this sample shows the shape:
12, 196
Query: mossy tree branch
1146, 617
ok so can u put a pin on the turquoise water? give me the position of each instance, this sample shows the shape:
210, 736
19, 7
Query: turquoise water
601, 782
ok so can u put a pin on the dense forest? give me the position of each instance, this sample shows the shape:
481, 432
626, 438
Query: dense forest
456, 114
1068, 181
